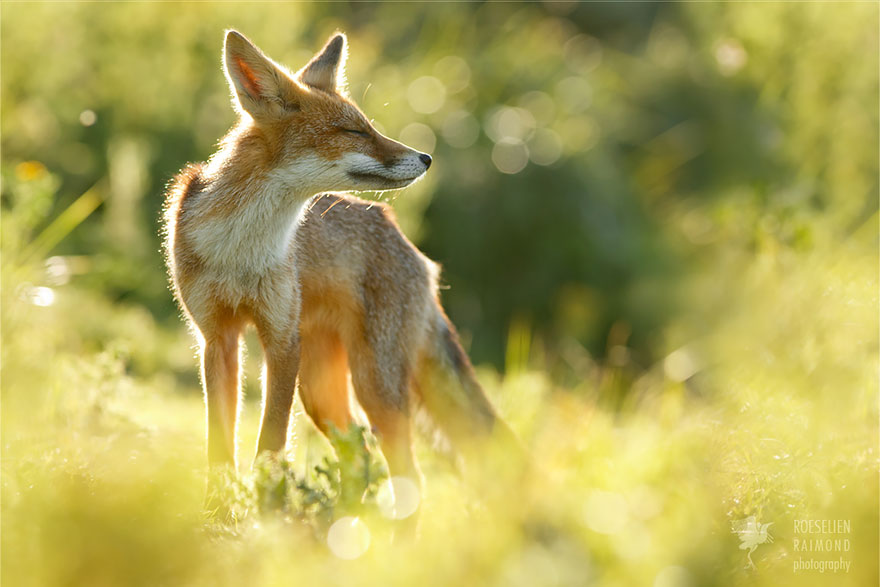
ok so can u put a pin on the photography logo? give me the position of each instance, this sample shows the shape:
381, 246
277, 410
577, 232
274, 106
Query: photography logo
822, 546
751, 535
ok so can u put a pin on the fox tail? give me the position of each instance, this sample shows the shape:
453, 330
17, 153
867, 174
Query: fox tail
450, 392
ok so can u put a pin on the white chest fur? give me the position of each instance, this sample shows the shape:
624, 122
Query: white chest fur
250, 240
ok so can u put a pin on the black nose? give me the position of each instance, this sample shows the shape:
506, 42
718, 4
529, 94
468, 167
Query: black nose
426, 159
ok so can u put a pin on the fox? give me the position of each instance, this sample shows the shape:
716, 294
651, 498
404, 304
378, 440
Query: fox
267, 234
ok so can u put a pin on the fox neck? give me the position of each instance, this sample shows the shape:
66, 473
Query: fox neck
248, 217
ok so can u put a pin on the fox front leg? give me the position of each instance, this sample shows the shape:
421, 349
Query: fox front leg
220, 376
282, 365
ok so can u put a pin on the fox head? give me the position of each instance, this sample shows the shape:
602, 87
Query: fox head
308, 128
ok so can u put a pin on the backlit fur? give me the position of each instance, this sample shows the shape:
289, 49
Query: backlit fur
330, 282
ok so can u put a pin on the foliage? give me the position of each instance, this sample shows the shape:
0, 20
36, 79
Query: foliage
315, 498
659, 226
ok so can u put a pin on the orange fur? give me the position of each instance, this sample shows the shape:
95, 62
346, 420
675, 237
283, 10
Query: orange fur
330, 282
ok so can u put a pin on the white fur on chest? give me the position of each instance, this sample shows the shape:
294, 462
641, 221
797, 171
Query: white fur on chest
242, 248
254, 240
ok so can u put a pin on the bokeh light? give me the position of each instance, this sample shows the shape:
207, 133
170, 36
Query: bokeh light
606, 512
583, 53
460, 129
731, 56
426, 94
398, 498
38, 295
545, 147
87, 117
453, 72
419, 136
680, 364
510, 123
348, 538
510, 155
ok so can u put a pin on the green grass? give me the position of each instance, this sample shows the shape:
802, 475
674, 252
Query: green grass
103, 480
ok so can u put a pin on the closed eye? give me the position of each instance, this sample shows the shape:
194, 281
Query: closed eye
359, 133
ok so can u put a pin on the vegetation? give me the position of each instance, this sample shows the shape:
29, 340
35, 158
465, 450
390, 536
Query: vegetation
659, 227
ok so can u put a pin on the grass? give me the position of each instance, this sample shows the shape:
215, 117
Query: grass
770, 412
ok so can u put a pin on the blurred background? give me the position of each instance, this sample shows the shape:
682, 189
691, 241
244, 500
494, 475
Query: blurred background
589, 156
636, 205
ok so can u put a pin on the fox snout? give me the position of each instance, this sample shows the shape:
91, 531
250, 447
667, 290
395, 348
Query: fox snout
369, 173
415, 162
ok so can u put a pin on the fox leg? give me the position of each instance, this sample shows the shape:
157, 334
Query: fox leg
388, 408
383, 393
282, 362
221, 380
393, 429
323, 380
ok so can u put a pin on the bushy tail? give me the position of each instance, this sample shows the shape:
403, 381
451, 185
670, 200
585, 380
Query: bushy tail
449, 390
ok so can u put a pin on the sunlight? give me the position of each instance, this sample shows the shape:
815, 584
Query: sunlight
606, 512
348, 538
398, 498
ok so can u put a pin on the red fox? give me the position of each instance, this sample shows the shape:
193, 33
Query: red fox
330, 282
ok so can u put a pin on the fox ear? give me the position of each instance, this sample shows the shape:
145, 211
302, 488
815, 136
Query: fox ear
326, 70
260, 87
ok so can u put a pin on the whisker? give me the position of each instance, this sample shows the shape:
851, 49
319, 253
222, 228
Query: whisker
330, 206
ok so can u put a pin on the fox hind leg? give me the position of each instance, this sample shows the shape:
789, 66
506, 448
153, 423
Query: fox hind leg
383, 392
323, 380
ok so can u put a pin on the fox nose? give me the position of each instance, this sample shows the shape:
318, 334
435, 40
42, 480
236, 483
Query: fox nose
426, 159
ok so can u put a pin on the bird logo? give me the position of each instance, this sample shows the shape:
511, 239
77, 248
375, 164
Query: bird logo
751, 534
